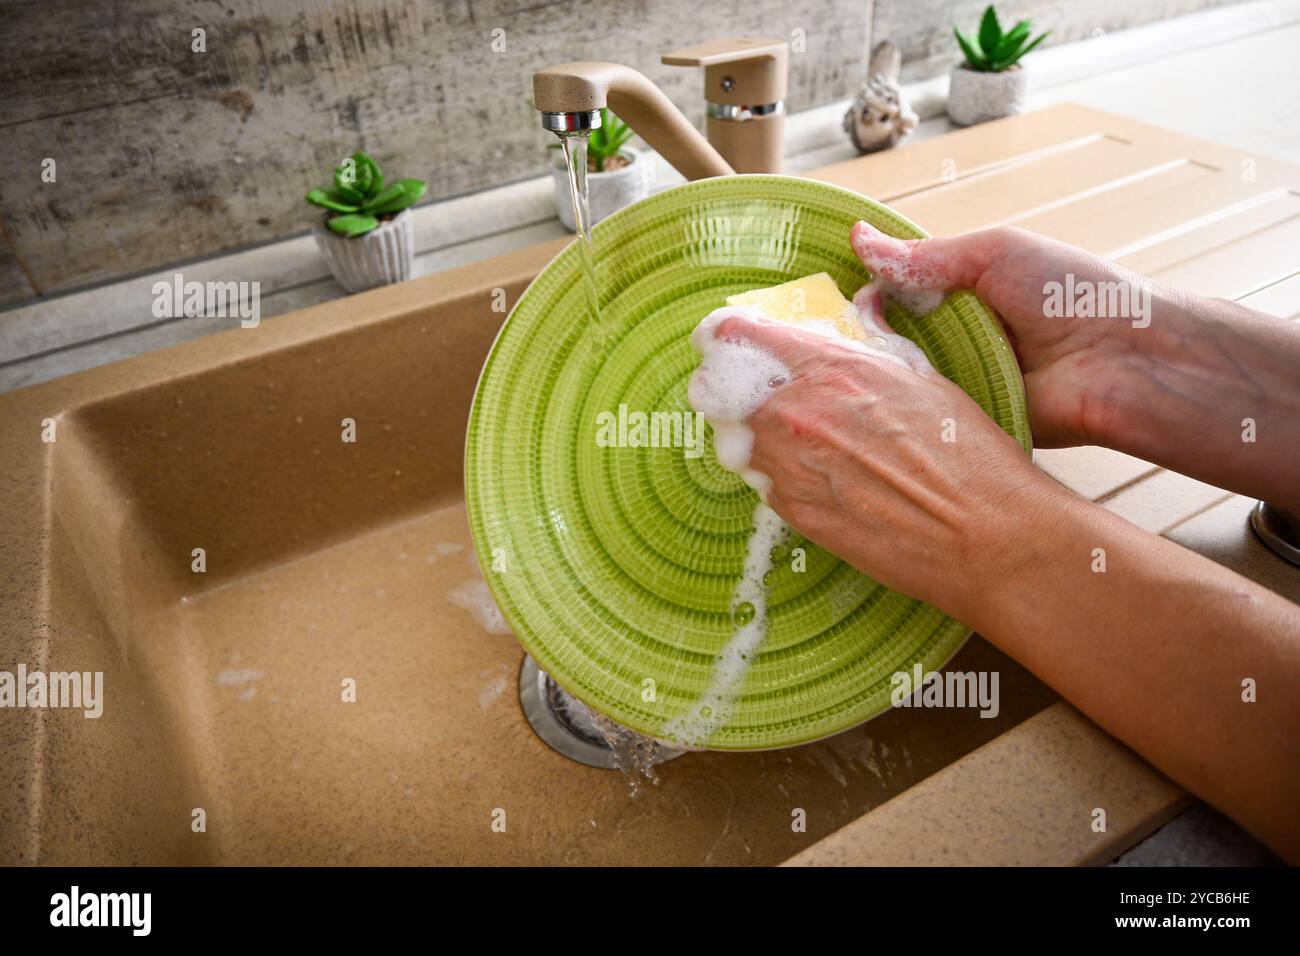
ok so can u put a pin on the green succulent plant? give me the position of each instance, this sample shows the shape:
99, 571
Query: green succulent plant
606, 141
994, 51
359, 197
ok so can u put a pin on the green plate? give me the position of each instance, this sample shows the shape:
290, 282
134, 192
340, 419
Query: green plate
615, 566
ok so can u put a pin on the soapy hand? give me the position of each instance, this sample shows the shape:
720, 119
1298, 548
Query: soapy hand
889, 464
1073, 366
856, 448
1154, 371
891, 467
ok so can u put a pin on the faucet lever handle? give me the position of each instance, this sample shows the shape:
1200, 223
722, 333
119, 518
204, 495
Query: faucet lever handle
751, 71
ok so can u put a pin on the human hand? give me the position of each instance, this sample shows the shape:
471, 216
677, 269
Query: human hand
1073, 366
854, 447
894, 469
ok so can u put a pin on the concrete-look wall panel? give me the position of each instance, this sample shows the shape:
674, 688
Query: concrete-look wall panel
165, 154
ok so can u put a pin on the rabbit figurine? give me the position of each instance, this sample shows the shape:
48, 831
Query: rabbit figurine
880, 116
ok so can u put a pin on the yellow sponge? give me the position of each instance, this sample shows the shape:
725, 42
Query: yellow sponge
814, 301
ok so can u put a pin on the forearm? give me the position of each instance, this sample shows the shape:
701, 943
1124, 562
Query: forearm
1155, 648
1211, 389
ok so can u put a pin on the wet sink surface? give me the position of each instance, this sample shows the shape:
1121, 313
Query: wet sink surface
333, 564
435, 746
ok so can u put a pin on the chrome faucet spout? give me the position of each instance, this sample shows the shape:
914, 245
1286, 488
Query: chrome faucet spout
564, 123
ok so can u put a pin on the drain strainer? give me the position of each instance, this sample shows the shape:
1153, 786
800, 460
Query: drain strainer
570, 727
1278, 529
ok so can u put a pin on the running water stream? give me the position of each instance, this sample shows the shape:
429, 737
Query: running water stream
574, 146
635, 754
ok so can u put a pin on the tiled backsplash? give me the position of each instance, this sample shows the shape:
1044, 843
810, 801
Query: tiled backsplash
164, 152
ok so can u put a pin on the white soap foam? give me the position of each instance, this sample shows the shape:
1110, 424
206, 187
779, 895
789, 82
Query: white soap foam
881, 342
733, 381
234, 678
713, 708
476, 597
919, 302
917, 288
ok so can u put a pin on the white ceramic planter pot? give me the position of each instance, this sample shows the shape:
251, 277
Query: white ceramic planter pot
380, 257
607, 193
975, 97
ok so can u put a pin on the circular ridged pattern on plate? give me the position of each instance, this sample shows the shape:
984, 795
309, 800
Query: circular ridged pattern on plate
615, 566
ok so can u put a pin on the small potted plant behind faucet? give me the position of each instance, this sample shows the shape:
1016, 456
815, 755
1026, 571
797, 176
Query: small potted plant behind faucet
366, 235
990, 83
617, 174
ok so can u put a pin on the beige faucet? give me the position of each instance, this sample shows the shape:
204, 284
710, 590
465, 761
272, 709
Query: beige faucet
744, 86
745, 120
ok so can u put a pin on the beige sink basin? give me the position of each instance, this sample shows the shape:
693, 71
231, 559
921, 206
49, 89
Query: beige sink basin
330, 562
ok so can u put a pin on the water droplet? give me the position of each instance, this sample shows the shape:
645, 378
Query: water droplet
743, 614
776, 381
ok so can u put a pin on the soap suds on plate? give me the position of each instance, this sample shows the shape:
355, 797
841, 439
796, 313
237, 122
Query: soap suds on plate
733, 381
712, 710
736, 377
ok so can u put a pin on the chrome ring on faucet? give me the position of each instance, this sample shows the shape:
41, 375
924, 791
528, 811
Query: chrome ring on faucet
738, 114
571, 122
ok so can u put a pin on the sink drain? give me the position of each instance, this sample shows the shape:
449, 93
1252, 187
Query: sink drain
570, 727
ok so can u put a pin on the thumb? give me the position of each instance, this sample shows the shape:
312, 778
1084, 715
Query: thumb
940, 264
